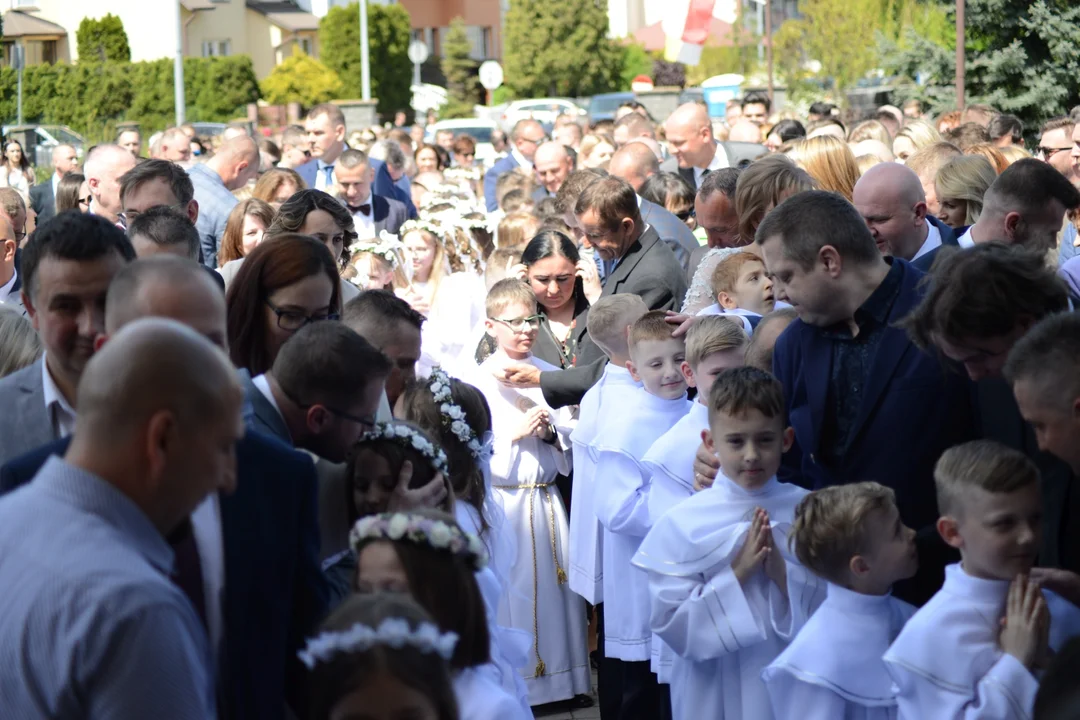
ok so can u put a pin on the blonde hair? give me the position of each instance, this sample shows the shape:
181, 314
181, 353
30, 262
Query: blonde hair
1012, 153
926, 161
608, 319
832, 525
865, 162
920, 133
377, 262
516, 229
438, 261
589, 143
507, 292
965, 178
653, 325
22, 346
727, 271
980, 464
764, 185
991, 153
830, 162
713, 334
499, 263
870, 130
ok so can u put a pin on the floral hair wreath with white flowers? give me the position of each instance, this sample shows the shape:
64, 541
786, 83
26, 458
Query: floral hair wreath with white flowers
392, 632
420, 529
409, 437
423, 225
454, 416
387, 247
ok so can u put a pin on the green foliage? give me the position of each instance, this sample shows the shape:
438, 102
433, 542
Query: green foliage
389, 31
636, 61
502, 94
560, 49
92, 97
1022, 57
462, 79
301, 79
102, 40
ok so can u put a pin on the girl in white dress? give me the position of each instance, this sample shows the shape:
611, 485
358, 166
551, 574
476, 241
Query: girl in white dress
426, 263
427, 555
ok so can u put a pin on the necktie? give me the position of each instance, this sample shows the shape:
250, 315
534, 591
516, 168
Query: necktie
704, 174
364, 209
328, 175
187, 572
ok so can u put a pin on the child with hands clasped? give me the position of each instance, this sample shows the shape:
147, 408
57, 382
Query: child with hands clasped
973, 650
726, 593
851, 536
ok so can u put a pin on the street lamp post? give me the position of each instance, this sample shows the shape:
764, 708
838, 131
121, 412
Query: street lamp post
365, 65
960, 79
178, 69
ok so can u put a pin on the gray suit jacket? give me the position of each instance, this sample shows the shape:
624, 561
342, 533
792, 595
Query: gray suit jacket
260, 414
25, 424
673, 231
739, 154
389, 214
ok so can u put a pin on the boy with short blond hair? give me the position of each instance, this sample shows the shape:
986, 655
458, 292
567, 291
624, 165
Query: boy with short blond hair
973, 649
726, 591
852, 537
632, 422
742, 287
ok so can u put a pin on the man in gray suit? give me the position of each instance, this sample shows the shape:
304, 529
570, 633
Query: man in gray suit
695, 152
66, 270
371, 213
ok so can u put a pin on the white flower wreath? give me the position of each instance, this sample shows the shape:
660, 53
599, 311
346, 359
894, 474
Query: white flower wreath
420, 529
393, 632
388, 247
419, 224
454, 416
409, 437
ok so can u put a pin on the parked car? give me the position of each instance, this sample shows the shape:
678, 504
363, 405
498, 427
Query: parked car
543, 110
603, 106
47, 137
478, 130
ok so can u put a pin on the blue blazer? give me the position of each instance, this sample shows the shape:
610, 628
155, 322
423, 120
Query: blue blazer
384, 185
505, 164
948, 237
275, 592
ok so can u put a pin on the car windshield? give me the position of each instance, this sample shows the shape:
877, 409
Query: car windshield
607, 104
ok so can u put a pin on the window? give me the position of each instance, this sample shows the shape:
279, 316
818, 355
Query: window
307, 45
216, 48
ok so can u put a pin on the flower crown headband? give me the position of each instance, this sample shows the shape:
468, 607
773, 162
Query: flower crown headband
392, 632
421, 530
454, 416
387, 247
409, 437
424, 225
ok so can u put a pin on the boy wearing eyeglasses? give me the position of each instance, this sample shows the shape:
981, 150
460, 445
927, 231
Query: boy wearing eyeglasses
531, 448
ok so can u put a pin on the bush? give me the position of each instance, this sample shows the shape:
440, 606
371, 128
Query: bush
301, 79
102, 40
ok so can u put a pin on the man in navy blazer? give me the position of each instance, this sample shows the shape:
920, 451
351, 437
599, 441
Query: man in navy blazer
526, 136
864, 401
891, 199
274, 592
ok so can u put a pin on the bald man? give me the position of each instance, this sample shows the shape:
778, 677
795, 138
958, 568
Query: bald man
635, 163
744, 130
104, 166
632, 126
553, 165
93, 624
259, 542
234, 165
525, 138
890, 198
695, 152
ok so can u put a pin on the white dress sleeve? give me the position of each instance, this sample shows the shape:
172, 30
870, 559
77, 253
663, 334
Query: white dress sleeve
1006, 691
620, 497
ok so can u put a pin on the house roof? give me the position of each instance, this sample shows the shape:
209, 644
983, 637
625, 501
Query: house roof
286, 15
21, 24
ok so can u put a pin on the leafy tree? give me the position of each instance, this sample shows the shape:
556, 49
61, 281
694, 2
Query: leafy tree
300, 78
102, 40
389, 31
834, 33
560, 48
739, 57
636, 61
462, 80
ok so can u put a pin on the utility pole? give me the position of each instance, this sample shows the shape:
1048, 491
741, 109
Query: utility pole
365, 63
960, 79
769, 47
178, 69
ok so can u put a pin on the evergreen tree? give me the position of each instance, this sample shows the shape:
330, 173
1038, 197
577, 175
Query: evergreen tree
389, 31
462, 80
560, 49
102, 40
301, 79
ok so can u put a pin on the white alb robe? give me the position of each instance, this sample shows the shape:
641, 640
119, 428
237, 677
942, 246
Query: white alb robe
670, 465
632, 422
481, 698
833, 669
538, 600
947, 661
586, 533
724, 634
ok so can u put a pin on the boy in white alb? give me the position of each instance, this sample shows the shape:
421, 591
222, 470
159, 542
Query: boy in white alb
531, 448
850, 536
713, 344
726, 593
631, 424
608, 320
973, 650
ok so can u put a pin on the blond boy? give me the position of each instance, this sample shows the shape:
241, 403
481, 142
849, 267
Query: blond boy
741, 286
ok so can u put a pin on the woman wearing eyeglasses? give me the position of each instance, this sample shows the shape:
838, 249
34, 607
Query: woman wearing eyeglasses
287, 282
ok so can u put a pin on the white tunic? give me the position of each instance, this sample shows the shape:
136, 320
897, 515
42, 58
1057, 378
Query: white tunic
833, 669
480, 698
539, 601
586, 533
632, 422
723, 633
670, 465
947, 662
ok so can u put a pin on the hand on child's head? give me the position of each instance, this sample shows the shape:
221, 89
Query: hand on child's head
403, 498
657, 365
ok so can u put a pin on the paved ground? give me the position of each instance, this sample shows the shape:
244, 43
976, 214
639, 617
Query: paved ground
562, 711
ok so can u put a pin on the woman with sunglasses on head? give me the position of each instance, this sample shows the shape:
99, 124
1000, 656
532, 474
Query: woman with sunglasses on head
72, 193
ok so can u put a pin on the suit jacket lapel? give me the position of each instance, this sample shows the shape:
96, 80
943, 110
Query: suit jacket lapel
688, 176
630, 260
379, 210
263, 411
34, 420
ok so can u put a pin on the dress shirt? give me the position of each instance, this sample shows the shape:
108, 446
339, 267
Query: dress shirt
215, 204
263, 385
59, 410
718, 162
324, 177
527, 164
363, 224
55, 183
6, 288
852, 358
931, 243
966, 241
92, 625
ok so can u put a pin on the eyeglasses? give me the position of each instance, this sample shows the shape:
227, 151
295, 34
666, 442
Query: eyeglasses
367, 422
86, 200
685, 214
293, 320
1048, 153
128, 216
520, 325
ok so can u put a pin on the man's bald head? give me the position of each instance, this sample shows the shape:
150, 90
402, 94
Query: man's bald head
693, 115
632, 126
690, 137
237, 161
891, 200
526, 136
553, 165
635, 163
167, 286
745, 131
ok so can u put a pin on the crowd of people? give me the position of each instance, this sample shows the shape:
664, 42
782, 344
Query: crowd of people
757, 417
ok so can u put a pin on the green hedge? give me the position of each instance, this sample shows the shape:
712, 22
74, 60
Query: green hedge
92, 97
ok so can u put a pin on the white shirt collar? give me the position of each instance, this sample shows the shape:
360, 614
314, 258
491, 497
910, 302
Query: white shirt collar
966, 241
5, 289
932, 241
520, 158
57, 407
718, 162
263, 385
55, 182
